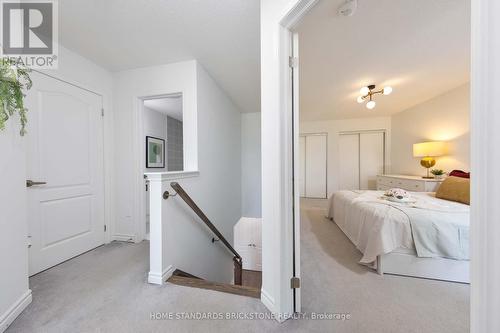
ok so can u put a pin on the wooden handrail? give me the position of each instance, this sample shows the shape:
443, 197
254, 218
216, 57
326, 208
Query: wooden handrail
238, 262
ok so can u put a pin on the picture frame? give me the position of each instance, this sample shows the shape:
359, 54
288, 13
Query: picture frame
155, 153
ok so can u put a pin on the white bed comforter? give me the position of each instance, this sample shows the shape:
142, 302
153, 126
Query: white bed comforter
376, 226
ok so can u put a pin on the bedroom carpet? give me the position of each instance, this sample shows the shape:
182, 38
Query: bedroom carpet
105, 290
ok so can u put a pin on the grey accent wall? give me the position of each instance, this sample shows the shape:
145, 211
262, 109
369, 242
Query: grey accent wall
175, 146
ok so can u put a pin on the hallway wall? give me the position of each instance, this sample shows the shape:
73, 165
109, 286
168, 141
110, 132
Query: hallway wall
129, 86
14, 288
251, 179
216, 147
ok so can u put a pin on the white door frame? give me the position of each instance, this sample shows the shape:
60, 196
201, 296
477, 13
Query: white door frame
277, 293
109, 220
140, 153
485, 211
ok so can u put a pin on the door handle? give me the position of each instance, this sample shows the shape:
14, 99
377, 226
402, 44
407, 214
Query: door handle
30, 183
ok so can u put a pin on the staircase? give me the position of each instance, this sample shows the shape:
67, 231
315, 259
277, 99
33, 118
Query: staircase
246, 283
184, 279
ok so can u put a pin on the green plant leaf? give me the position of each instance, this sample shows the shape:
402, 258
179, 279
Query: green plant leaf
14, 79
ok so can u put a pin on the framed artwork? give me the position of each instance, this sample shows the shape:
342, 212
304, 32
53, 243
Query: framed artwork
155, 152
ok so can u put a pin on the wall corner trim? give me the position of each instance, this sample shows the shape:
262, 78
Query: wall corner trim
15, 310
267, 300
155, 278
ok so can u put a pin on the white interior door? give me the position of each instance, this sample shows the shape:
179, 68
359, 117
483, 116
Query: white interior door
65, 150
371, 151
316, 146
302, 166
349, 161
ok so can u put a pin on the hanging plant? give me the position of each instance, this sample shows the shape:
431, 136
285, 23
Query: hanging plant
13, 80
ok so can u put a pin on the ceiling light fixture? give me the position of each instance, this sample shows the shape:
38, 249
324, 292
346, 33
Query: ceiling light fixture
368, 92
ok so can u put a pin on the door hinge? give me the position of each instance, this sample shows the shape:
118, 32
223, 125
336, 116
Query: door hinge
102, 112
292, 62
105, 228
294, 283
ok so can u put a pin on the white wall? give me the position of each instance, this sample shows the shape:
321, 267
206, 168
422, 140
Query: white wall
155, 125
186, 242
485, 163
333, 128
443, 118
219, 132
129, 87
251, 165
13, 225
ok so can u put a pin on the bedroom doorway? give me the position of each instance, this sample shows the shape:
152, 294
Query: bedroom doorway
162, 137
319, 240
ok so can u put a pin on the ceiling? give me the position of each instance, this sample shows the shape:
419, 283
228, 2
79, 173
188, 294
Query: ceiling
223, 35
170, 106
420, 48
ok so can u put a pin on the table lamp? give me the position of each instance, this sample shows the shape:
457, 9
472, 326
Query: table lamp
429, 150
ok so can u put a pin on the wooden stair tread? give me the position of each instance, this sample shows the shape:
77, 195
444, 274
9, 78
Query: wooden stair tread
178, 272
222, 287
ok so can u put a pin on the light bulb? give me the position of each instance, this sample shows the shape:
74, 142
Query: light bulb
387, 90
360, 99
364, 91
370, 105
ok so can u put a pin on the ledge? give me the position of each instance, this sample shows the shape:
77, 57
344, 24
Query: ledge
172, 175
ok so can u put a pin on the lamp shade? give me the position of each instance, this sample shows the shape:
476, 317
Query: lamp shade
429, 149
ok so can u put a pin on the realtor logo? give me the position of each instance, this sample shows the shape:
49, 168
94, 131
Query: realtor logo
29, 32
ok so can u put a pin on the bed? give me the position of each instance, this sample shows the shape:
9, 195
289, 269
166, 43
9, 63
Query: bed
427, 238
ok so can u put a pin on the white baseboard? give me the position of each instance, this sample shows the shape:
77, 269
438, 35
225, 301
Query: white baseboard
124, 238
15, 310
155, 278
268, 301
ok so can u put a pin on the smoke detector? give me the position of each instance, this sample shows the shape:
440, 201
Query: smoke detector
348, 8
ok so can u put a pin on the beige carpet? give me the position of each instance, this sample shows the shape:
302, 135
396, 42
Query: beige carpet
376, 303
105, 290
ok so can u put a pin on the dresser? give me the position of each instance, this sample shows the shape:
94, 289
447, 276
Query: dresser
409, 183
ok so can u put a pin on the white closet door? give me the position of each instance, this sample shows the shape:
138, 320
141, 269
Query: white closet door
349, 161
371, 147
302, 166
316, 166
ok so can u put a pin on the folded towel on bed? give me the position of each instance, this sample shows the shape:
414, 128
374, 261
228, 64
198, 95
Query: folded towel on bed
439, 233
438, 230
